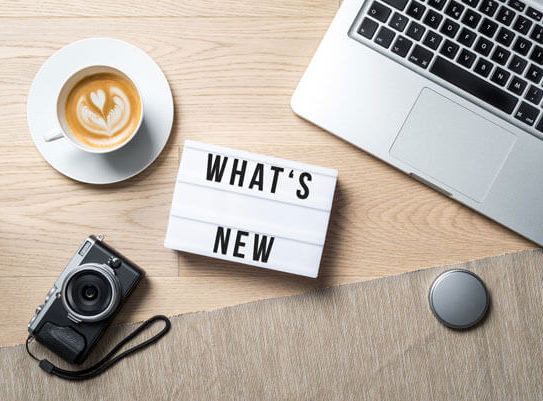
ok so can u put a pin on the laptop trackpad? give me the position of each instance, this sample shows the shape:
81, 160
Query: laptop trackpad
452, 145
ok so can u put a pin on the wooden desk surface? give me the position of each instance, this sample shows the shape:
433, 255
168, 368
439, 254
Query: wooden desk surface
232, 66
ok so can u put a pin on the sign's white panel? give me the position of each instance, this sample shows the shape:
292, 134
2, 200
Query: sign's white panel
250, 208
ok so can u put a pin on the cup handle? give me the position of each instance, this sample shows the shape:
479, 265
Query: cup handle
53, 135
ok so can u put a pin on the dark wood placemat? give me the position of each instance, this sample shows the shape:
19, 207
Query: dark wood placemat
375, 340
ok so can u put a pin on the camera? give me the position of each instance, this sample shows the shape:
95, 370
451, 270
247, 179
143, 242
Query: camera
84, 299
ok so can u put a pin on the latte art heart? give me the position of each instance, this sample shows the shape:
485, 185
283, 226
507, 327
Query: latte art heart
103, 110
98, 98
104, 122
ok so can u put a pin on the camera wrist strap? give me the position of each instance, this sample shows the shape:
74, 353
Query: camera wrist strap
106, 362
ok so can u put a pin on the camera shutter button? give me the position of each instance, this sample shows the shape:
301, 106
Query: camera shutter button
114, 263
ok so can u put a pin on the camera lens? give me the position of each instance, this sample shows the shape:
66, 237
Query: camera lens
89, 293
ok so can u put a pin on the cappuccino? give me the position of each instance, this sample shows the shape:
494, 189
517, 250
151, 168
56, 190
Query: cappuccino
103, 110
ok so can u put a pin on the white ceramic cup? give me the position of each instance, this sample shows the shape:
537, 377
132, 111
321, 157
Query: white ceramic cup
63, 130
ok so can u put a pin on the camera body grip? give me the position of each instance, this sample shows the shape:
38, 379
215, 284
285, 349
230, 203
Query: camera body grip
62, 340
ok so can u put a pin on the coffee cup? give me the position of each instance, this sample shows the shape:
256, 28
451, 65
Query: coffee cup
99, 109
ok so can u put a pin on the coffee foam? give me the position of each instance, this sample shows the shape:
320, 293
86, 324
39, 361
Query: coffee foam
103, 110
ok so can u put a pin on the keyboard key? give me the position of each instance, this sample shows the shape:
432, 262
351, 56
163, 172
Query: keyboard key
368, 28
432, 19
398, 22
522, 25
527, 113
500, 76
517, 65
454, 9
466, 37
415, 31
533, 13
500, 55
432, 40
505, 15
471, 3
483, 46
474, 85
449, 28
505, 36
534, 94
416, 10
449, 49
421, 56
401, 46
539, 125
537, 34
399, 4
488, 7
379, 11
534, 74
483, 67
466, 58
522, 46
384, 37
517, 85
471, 18
437, 3
537, 55
517, 5
488, 27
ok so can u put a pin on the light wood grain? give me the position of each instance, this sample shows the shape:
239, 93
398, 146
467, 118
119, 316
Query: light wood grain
232, 67
168, 8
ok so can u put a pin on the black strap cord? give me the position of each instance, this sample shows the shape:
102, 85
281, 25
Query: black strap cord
106, 362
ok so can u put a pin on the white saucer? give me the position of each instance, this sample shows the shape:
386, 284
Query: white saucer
148, 142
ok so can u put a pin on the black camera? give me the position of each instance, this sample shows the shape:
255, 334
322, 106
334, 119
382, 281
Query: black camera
82, 303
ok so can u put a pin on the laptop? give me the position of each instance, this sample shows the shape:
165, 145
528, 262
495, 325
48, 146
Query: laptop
447, 91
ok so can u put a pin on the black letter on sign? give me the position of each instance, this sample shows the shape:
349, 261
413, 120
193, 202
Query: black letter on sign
220, 237
262, 249
239, 244
276, 171
305, 193
258, 176
235, 172
215, 169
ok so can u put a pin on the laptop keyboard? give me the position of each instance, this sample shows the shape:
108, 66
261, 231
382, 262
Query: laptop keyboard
491, 49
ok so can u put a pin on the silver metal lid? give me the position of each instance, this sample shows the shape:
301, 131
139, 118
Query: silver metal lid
459, 299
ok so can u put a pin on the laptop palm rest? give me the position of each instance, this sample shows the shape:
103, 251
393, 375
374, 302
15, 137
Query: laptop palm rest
452, 145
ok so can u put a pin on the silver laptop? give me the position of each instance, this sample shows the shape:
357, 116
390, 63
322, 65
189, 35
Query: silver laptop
448, 91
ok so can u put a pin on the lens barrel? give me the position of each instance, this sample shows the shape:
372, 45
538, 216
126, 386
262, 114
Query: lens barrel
91, 292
